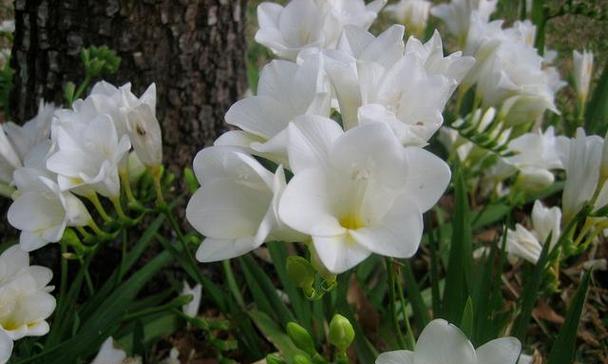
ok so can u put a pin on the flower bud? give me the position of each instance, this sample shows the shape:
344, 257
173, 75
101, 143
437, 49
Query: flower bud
301, 338
302, 273
274, 359
301, 359
535, 179
341, 332
145, 135
583, 70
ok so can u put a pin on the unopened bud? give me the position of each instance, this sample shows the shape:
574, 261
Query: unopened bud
302, 273
341, 332
301, 338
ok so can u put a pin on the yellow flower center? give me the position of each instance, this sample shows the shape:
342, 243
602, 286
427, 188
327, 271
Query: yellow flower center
351, 221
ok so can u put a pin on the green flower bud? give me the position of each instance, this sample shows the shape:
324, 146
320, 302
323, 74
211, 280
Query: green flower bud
301, 338
301, 359
274, 359
302, 273
341, 332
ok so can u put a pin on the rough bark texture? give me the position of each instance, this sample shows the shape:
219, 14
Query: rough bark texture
193, 49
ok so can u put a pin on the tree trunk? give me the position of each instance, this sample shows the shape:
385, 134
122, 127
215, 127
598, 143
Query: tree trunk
193, 49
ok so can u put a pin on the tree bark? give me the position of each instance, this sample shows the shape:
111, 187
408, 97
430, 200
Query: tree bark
193, 49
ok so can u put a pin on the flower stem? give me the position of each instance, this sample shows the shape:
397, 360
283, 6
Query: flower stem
411, 341
99, 207
393, 310
126, 185
121, 213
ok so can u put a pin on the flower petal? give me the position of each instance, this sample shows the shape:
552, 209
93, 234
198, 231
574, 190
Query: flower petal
442, 342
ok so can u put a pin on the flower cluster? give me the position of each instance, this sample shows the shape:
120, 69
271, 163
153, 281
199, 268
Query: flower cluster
25, 299
64, 155
361, 181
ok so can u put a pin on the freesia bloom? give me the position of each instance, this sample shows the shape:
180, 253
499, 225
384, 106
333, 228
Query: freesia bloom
24, 296
414, 14
18, 141
191, 309
235, 188
583, 70
285, 91
42, 211
378, 82
304, 24
536, 155
88, 154
441, 342
582, 159
358, 192
528, 244
457, 14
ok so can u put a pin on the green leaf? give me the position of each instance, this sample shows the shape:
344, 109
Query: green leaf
276, 335
264, 291
596, 115
563, 349
458, 276
421, 312
468, 318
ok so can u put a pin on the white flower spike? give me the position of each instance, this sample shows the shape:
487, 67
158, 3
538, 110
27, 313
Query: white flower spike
441, 342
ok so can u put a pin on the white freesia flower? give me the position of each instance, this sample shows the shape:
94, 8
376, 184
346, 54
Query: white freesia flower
88, 154
304, 24
414, 14
509, 72
6, 347
377, 83
536, 155
17, 142
173, 357
110, 354
582, 160
285, 91
583, 71
42, 211
441, 342
145, 135
358, 192
528, 244
238, 189
457, 14
191, 308
24, 296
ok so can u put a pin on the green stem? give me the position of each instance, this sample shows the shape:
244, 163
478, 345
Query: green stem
83, 86
98, 231
393, 310
6, 190
64, 271
411, 341
121, 213
232, 283
99, 207
126, 185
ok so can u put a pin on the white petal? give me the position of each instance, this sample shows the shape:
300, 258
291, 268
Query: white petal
6, 347
339, 253
221, 162
427, 177
499, 351
225, 209
260, 115
109, 354
441, 342
397, 234
213, 250
373, 150
310, 141
12, 261
396, 357
305, 205
35, 211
